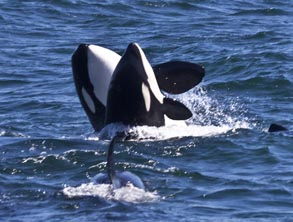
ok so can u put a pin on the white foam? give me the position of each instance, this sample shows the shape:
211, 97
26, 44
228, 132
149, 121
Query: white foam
128, 193
167, 132
2, 132
210, 118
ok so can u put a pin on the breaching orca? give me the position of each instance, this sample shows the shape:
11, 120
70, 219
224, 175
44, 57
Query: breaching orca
118, 179
134, 97
94, 68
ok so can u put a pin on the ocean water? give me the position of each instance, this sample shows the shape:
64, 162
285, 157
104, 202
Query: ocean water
223, 166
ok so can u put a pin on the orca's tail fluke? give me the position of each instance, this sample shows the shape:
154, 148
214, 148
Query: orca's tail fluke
276, 128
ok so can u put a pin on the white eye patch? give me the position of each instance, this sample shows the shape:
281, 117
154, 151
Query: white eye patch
151, 76
146, 96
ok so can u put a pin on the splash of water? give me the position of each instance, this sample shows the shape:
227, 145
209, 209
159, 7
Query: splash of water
209, 111
210, 118
128, 193
11, 133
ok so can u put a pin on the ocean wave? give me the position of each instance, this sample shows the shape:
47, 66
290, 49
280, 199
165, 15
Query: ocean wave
12, 133
261, 12
264, 83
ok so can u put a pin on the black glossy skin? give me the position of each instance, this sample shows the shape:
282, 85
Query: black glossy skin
125, 99
177, 77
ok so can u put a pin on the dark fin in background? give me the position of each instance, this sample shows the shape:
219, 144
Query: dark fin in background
176, 110
119, 179
82, 81
177, 77
111, 164
276, 128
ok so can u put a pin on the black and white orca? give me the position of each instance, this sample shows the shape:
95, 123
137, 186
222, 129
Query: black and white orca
118, 179
127, 89
134, 97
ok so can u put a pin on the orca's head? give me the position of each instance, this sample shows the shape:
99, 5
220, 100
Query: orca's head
134, 97
135, 59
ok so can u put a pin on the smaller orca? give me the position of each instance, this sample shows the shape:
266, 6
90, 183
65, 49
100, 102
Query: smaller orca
118, 179
276, 128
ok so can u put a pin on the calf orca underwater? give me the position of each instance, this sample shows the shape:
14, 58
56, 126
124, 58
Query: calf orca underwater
118, 179
127, 89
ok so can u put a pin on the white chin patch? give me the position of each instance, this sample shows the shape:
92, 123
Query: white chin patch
146, 96
88, 100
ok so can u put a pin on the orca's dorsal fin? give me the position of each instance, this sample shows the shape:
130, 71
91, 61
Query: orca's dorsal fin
176, 77
111, 161
276, 128
176, 110
111, 164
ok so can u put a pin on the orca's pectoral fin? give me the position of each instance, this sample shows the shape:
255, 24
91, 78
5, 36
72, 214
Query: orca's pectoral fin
176, 77
176, 110
276, 128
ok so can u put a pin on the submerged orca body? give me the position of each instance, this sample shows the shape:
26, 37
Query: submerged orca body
121, 179
118, 179
128, 89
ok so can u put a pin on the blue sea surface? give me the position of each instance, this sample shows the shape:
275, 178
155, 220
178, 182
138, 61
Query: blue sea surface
223, 166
